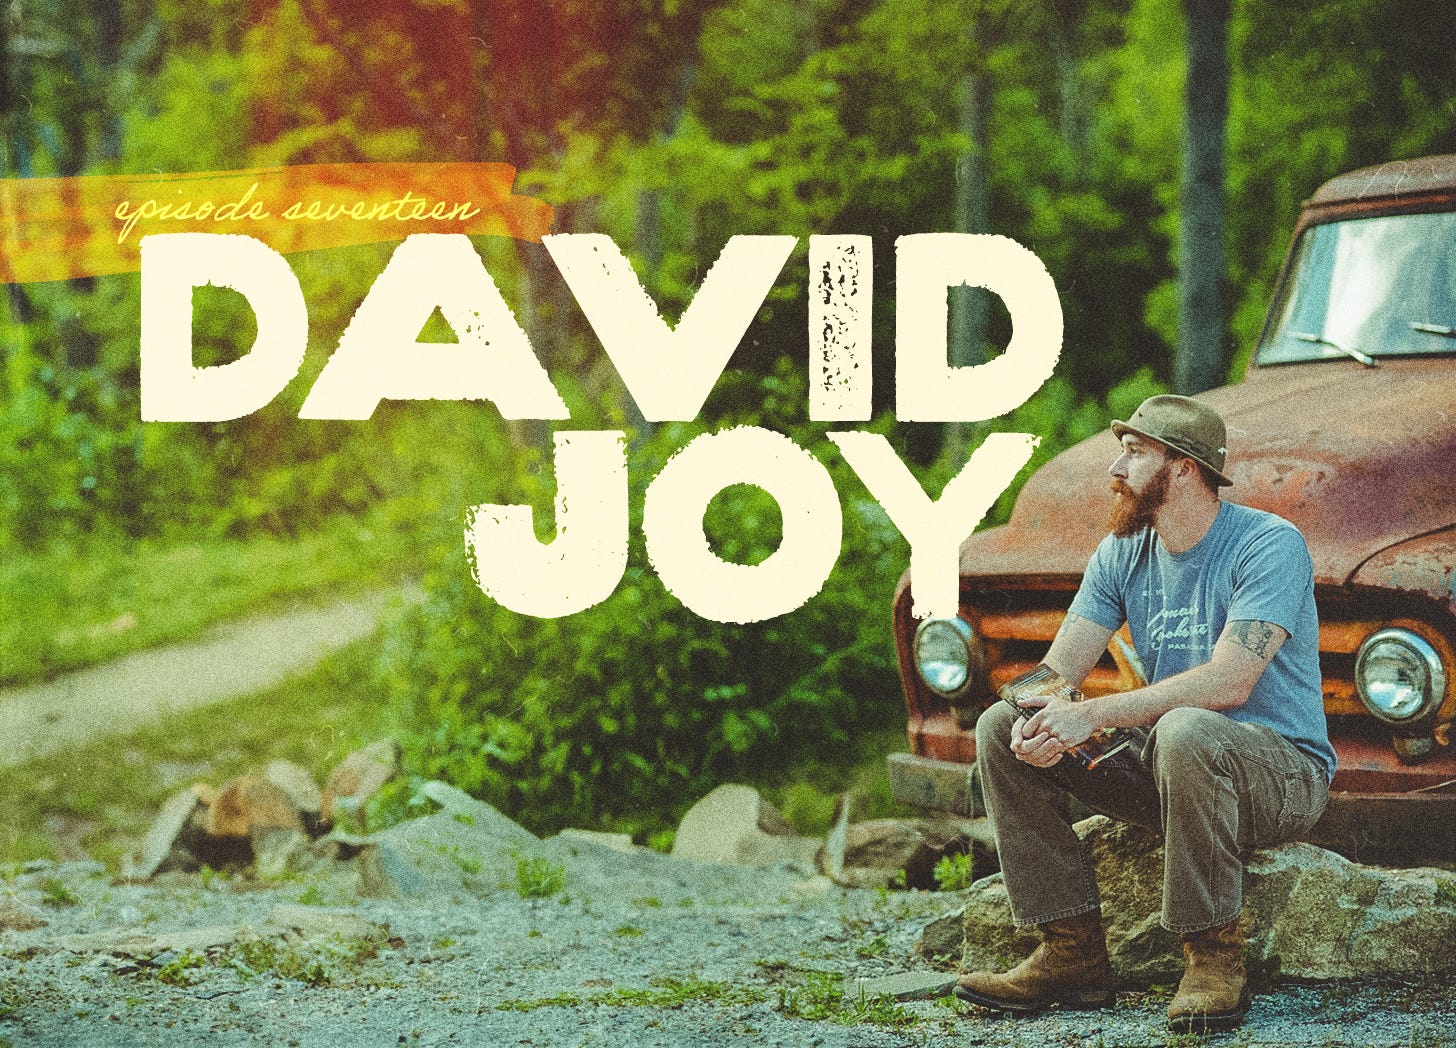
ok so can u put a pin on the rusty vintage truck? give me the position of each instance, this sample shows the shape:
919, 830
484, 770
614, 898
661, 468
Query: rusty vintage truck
1345, 424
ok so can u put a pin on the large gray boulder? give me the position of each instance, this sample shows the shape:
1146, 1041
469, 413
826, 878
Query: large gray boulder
1308, 913
469, 849
735, 826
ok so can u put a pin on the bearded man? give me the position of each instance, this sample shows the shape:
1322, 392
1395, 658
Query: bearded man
1219, 599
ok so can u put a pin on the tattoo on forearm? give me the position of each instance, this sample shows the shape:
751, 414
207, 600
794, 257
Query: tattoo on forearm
1256, 636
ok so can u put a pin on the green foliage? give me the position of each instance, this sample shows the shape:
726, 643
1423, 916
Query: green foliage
630, 710
876, 947
698, 123
1446, 891
623, 714
538, 877
313, 895
328, 962
55, 892
664, 992
953, 872
88, 599
821, 997
186, 970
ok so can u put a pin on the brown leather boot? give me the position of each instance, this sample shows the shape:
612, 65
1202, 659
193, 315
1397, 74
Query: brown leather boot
1213, 994
1070, 967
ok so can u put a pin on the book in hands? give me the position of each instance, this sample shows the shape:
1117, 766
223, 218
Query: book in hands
1043, 682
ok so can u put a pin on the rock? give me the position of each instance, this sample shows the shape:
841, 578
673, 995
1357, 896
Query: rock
277, 852
15, 916
734, 826
358, 777
129, 942
303, 793
602, 873
467, 848
162, 836
907, 986
250, 803
312, 922
874, 877
941, 940
991, 942
1308, 913
876, 852
831, 858
384, 872
465, 809
1314, 914
818, 884
1129, 863
621, 842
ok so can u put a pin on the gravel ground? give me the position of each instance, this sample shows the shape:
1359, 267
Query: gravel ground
667, 953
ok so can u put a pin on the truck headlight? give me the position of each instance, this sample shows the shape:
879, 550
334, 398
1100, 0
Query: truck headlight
944, 654
1399, 675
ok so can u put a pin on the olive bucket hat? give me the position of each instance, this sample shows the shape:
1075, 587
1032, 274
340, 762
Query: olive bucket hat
1187, 426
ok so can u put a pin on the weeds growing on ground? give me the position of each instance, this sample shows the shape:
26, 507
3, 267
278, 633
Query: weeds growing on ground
184, 971
663, 992
1446, 891
875, 947
953, 872
821, 997
54, 892
538, 878
327, 963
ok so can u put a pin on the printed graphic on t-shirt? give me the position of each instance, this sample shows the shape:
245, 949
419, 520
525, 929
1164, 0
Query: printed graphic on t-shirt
1175, 629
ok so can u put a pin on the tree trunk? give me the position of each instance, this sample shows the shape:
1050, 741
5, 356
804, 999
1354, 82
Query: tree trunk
650, 246
1200, 362
968, 306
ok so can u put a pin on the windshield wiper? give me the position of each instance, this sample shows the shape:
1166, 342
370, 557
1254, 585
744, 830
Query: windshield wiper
1320, 340
1433, 329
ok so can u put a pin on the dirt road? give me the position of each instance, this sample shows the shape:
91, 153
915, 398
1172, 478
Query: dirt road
228, 661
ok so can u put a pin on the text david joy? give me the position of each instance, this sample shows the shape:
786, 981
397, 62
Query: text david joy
668, 370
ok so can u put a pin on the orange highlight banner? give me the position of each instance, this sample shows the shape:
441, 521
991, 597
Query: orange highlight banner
90, 225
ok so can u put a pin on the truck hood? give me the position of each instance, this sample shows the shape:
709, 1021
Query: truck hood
1358, 458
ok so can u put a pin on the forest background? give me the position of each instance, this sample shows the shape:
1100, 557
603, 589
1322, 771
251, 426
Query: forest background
670, 125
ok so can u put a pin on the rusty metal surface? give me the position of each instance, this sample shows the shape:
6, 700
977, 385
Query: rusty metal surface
1393, 179
1369, 765
1424, 567
1358, 458
937, 736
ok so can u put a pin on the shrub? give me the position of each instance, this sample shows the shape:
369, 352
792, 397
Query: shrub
626, 713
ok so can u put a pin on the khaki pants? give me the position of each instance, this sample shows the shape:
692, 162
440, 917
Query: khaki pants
1216, 788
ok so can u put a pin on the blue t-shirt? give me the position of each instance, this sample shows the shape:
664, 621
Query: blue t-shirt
1251, 565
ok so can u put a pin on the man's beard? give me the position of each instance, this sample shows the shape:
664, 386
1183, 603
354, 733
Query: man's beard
1134, 510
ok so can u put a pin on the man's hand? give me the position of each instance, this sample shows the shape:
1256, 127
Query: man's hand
1040, 738
1069, 723
1041, 750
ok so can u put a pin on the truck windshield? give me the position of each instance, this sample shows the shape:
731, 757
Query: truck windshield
1371, 287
